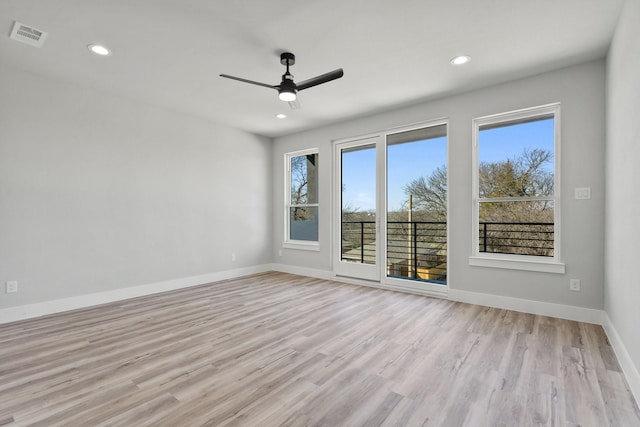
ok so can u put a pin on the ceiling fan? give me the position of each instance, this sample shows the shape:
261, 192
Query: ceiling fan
288, 89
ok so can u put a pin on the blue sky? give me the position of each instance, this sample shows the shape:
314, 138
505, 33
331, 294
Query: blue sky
510, 141
359, 179
408, 161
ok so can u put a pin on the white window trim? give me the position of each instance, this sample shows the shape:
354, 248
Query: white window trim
287, 243
301, 245
518, 262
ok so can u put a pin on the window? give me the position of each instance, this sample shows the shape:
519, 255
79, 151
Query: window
301, 228
516, 186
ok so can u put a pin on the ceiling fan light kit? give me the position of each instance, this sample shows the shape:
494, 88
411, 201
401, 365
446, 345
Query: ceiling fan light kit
287, 95
288, 89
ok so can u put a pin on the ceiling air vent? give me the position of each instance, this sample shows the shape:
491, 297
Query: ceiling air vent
26, 34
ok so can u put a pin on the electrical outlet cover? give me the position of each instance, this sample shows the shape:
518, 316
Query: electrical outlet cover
12, 286
574, 285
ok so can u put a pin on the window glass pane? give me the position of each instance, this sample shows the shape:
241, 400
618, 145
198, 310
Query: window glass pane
358, 179
516, 159
519, 227
303, 223
304, 181
417, 205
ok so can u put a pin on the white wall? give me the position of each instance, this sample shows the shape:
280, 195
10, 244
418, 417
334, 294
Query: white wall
581, 90
99, 192
622, 290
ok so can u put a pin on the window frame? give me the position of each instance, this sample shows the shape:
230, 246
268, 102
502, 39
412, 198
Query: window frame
517, 261
288, 243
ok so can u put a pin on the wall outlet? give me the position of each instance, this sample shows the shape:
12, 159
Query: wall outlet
12, 286
574, 285
233, 256
280, 252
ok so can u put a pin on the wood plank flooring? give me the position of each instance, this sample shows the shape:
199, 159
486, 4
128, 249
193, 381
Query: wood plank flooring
282, 350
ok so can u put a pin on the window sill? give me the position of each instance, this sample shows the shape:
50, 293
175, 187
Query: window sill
305, 246
512, 263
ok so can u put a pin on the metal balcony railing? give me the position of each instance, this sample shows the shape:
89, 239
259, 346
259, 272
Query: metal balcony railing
359, 241
518, 238
418, 249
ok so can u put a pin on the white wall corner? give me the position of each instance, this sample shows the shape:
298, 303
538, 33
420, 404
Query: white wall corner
629, 369
44, 308
568, 312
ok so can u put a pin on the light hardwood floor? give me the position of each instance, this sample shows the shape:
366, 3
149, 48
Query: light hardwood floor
282, 350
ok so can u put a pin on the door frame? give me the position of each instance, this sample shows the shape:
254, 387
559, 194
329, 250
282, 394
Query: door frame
351, 269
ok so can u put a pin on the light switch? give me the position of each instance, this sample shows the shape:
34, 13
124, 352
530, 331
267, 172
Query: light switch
583, 193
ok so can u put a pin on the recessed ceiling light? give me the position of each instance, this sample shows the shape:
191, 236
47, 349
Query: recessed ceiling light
99, 49
281, 116
459, 60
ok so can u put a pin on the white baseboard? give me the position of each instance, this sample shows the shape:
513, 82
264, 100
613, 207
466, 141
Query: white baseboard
629, 369
569, 312
29, 311
303, 271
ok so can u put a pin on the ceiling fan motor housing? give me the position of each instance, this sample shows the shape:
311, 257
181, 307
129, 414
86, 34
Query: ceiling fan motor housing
287, 84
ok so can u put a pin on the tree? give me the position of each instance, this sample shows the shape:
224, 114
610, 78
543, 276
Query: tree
430, 194
299, 180
303, 185
521, 176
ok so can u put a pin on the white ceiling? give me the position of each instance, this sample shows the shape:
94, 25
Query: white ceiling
170, 52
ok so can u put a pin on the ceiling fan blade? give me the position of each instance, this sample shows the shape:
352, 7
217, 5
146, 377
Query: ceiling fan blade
324, 78
248, 81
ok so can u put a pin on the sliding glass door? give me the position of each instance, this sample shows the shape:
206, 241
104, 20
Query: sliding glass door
391, 207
